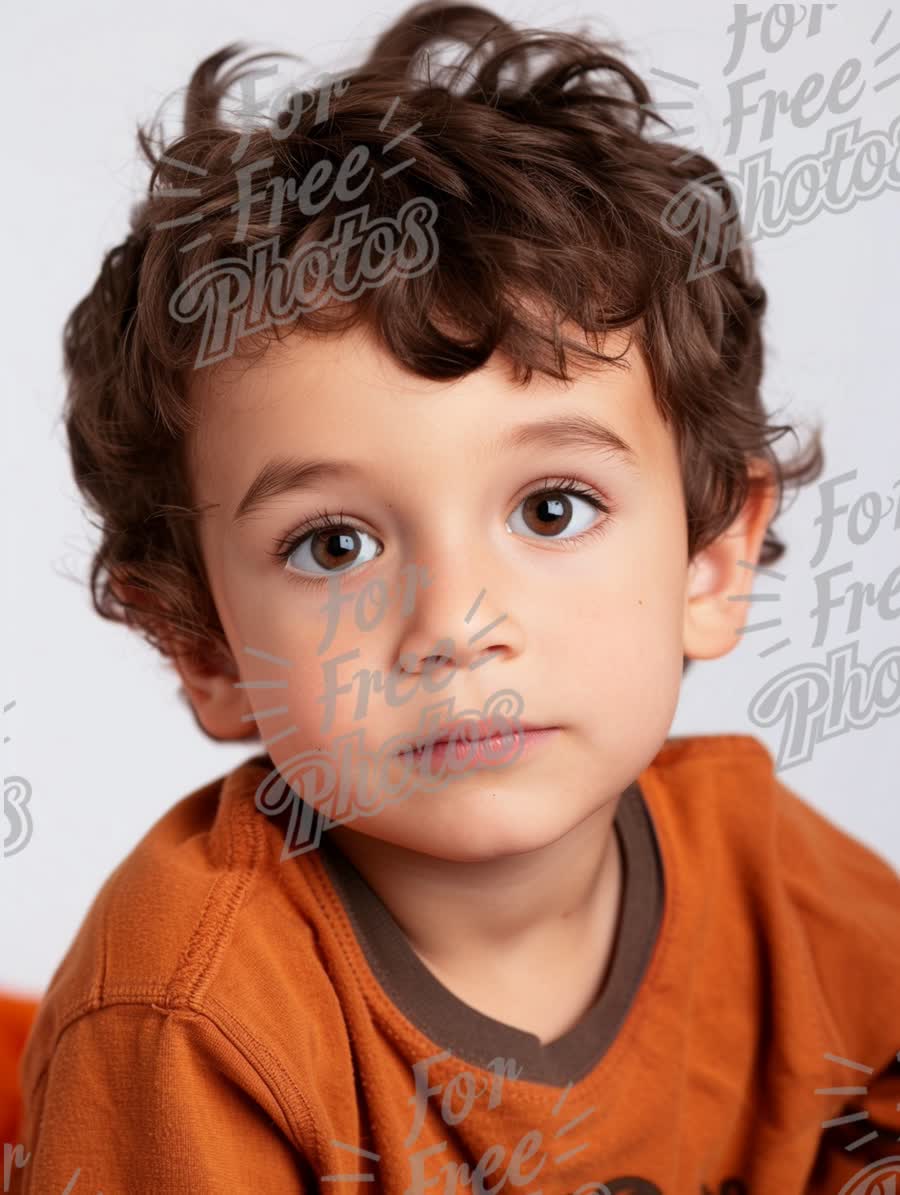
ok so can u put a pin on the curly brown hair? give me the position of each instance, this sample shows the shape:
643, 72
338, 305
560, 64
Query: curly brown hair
555, 203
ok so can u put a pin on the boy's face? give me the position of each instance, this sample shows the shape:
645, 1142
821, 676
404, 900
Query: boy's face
587, 610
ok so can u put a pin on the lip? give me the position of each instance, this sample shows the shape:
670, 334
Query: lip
484, 729
491, 752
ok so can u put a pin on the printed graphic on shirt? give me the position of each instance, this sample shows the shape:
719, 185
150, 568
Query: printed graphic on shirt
855, 1128
633, 1185
501, 1162
879, 1178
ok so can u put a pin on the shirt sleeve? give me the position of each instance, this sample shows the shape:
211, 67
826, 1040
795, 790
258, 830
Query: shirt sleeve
848, 897
141, 1099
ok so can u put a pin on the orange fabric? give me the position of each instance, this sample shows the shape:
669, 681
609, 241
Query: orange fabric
16, 1017
215, 1027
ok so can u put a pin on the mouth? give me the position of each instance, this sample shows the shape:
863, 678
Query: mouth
477, 736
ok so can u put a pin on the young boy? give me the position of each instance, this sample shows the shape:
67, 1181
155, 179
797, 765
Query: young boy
494, 484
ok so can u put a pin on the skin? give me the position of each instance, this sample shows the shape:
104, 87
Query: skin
499, 877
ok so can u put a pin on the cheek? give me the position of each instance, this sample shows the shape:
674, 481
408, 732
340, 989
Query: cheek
275, 637
621, 642
329, 685
625, 688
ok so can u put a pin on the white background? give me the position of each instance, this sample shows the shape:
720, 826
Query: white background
96, 728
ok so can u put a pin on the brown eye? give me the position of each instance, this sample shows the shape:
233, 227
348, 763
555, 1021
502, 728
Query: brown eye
549, 513
331, 549
334, 549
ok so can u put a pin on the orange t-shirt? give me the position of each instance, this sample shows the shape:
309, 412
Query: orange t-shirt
230, 1021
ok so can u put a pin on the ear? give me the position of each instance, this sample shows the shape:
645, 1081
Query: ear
208, 685
222, 710
719, 579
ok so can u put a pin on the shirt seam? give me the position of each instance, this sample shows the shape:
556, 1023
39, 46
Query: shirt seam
260, 1059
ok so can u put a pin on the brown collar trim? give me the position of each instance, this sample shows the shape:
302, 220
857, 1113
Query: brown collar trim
479, 1039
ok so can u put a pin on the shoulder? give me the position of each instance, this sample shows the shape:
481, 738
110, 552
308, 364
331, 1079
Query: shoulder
724, 789
729, 781
195, 921
823, 905
708, 787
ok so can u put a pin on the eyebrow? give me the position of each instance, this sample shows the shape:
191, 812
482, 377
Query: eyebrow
577, 432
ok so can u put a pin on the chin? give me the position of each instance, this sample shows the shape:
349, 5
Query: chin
474, 826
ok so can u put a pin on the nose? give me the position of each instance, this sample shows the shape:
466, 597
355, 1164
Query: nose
461, 620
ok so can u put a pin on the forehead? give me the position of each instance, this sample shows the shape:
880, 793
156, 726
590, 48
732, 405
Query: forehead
345, 394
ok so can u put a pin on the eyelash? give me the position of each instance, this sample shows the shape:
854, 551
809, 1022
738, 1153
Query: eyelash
323, 519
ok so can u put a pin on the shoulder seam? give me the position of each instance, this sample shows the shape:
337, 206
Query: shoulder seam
194, 969
261, 1060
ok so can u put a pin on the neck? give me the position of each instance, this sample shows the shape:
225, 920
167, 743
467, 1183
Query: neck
529, 907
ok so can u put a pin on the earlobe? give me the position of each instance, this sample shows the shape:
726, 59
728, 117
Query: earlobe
221, 708
720, 577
